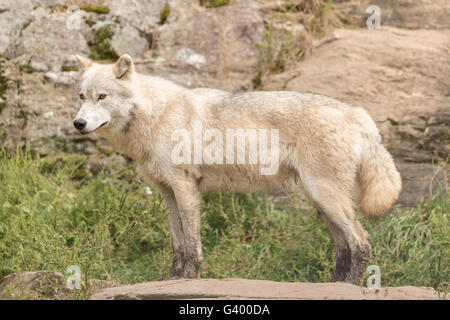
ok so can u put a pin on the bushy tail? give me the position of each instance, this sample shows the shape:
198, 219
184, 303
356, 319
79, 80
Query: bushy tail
379, 180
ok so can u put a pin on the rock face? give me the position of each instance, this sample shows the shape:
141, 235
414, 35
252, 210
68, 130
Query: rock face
221, 42
38, 40
407, 14
401, 78
398, 73
259, 289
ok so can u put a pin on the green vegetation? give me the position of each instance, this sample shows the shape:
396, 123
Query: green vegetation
281, 47
54, 212
68, 68
323, 17
98, 10
214, 3
288, 37
306, 6
89, 22
27, 68
164, 14
100, 46
3, 88
316, 15
257, 80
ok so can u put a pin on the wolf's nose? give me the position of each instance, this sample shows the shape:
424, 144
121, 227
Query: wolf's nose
79, 124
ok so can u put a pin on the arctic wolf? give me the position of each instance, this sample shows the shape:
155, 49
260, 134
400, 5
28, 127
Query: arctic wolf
330, 149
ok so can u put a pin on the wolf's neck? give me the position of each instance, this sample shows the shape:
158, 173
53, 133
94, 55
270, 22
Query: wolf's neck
133, 138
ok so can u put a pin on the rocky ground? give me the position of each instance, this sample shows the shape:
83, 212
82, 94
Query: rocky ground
260, 289
49, 285
399, 73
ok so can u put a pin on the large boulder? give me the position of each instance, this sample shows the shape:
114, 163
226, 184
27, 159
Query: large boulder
259, 289
216, 47
14, 15
50, 41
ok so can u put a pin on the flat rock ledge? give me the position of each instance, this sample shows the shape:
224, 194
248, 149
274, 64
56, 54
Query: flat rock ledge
260, 289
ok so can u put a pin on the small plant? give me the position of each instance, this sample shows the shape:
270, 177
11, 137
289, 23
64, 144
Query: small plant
214, 3
257, 80
27, 68
316, 15
164, 14
98, 10
68, 68
281, 47
3, 88
101, 49
89, 22
322, 17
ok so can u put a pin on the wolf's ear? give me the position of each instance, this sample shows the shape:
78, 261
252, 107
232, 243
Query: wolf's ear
124, 67
83, 63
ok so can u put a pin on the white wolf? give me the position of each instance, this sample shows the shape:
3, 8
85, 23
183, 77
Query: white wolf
325, 146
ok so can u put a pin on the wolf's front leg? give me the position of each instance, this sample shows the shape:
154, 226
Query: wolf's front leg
188, 201
176, 232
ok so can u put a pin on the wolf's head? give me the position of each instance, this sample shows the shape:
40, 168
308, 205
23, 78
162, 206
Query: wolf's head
106, 95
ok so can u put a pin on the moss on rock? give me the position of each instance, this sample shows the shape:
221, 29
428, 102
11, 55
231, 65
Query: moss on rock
164, 14
214, 3
98, 10
3, 87
101, 49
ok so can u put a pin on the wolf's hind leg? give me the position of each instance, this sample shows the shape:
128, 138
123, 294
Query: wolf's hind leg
176, 232
357, 239
343, 257
337, 206
361, 250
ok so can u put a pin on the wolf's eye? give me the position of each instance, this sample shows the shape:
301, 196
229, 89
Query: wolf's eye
102, 96
82, 96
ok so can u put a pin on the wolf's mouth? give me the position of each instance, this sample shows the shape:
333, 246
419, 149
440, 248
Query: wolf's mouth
103, 124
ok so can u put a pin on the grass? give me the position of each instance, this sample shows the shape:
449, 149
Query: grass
164, 14
288, 37
3, 88
316, 15
27, 68
213, 3
98, 10
55, 213
282, 47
